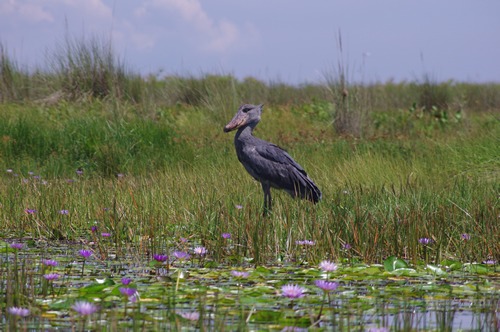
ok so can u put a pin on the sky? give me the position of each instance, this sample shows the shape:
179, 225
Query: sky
289, 41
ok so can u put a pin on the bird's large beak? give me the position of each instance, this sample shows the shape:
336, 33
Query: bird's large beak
239, 119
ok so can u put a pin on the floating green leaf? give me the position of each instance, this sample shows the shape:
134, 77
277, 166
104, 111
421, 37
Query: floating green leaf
392, 263
436, 270
477, 268
451, 264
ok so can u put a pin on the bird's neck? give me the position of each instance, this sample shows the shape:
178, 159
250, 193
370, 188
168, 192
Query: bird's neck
243, 133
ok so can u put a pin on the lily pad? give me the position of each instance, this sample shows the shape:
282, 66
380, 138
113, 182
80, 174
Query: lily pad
392, 263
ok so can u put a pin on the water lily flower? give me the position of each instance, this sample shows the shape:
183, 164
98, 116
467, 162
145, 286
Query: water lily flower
425, 240
128, 291
200, 251
18, 311
240, 274
192, 316
181, 255
125, 281
49, 262
292, 291
328, 266
51, 276
84, 308
326, 286
378, 329
294, 329
226, 235
160, 258
17, 246
85, 253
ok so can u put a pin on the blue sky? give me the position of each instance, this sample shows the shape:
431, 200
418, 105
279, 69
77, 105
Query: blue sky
274, 40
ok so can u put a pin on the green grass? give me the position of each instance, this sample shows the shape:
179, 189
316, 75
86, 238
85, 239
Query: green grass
413, 178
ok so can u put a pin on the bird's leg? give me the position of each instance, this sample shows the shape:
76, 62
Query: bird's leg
267, 198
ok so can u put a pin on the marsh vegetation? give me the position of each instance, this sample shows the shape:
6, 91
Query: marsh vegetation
138, 171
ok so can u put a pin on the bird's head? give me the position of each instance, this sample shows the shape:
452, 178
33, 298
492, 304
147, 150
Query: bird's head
247, 115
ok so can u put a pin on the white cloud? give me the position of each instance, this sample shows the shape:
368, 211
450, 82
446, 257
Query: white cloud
223, 36
27, 11
126, 33
54, 10
215, 36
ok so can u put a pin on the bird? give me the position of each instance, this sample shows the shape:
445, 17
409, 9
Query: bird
266, 162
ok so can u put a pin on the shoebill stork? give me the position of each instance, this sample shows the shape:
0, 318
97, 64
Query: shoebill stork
267, 163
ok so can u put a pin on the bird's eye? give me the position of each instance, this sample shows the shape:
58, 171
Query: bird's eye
246, 109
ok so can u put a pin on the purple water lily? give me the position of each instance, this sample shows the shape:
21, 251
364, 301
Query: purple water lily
18, 311
328, 266
85, 253
49, 262
200, 251
160, 258
84, 308
192, 316
240, 274
51, 276
181, 255
292, 291
128, 291
125, 281
17, 246
326, 286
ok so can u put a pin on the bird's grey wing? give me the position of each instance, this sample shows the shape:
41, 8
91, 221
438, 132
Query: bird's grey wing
274, 165
270, 164
283, 172
278, 156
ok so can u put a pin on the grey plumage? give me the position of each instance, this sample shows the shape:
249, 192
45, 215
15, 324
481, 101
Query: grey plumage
268, 163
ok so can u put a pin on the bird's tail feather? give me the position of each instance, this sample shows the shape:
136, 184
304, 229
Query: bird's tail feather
305, 188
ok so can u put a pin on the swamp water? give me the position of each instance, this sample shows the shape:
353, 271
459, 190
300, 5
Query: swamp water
195, 293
